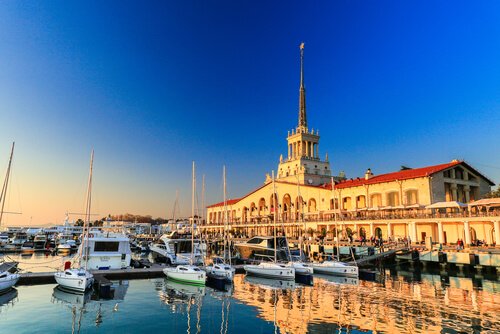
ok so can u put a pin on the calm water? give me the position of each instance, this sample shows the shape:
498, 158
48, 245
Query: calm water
431, 304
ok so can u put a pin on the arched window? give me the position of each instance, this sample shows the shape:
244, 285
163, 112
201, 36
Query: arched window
392, 198
346, 203
262, 206
411, 196
311, 207
376, 200
361, 201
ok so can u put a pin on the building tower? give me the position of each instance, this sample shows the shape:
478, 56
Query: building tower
303, 162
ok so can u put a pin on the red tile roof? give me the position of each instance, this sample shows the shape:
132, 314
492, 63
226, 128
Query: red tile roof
401, 175
229, 202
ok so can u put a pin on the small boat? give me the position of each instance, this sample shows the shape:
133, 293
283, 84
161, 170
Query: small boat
40, 241
271, 270
301, 268
335, 268
28, 247
64, 248
187, 274
190, 274
79, 279
7, 278
220, 269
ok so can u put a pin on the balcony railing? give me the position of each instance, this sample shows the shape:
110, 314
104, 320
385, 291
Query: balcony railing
328, 216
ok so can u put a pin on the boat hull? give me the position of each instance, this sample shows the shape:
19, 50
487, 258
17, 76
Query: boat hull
187, 277
75, 280
271, 271
225, 272
7, 282
335, 268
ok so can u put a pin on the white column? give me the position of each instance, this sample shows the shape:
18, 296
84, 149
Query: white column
496, 226
389, 230
467, 233
440, 232
289, 149
371, 230
413, 231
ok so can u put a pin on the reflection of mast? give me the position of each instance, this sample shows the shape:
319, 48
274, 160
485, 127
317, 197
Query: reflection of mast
225, 315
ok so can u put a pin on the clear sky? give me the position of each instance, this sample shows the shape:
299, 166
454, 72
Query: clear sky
153, 85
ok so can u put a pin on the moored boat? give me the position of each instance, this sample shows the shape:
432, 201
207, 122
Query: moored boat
335, 268
187, 274
80, 279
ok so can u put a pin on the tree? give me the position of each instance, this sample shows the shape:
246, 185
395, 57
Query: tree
493, 193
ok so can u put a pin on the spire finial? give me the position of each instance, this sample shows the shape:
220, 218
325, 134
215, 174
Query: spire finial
302, 126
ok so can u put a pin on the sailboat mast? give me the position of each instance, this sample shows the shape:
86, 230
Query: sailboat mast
275, 200
86, 224
335, 220
192, 214
299, 208
226, 218
6, 183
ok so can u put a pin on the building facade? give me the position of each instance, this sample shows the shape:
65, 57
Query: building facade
306, 197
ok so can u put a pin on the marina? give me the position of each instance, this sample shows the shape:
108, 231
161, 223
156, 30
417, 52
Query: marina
397, 302
385, 221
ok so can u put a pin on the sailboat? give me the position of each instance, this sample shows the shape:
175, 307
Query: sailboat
7, 279
336, 267
221, 268
303, 271
272, 269
80, 279
190, 274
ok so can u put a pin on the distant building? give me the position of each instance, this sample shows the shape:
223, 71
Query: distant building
385, 205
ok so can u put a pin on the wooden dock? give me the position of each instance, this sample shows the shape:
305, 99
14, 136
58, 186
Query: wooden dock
379, 256
155, 271
130, 273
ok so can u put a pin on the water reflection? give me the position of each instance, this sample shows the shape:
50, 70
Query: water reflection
337, 279
393, 305
8, 299
182, 299
81, 304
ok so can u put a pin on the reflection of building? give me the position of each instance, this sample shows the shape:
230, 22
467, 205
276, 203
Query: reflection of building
386, 205
396, 306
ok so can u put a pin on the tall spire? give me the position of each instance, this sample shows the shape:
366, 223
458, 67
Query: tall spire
302, 126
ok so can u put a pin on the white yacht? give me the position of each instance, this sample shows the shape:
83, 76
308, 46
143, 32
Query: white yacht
7, 279
186, 274
190, 274
335, 268
108, 250
271, 269
176, 248
80, 279
74, 279
301, 268
220, 268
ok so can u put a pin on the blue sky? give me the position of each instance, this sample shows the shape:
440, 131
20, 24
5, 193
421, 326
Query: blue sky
152, 86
